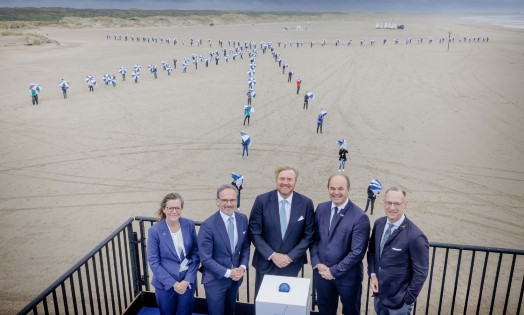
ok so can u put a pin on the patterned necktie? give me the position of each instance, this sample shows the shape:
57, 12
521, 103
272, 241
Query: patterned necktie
231, 233
283, 218
386, 236
335, 213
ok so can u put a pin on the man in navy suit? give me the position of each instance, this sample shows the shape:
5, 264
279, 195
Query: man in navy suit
223, 245
342, 235
281, 227
398, 257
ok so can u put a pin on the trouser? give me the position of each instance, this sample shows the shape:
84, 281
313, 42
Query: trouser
382, 310
371, 201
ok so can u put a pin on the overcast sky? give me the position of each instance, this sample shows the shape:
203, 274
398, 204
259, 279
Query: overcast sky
471, 6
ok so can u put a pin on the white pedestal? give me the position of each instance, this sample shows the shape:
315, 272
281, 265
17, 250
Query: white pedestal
272, 302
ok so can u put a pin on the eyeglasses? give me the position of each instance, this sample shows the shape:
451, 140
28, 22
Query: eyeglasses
228, 200
171, 209
395, 204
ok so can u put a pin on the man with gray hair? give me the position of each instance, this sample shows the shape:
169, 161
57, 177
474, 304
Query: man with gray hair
398, 257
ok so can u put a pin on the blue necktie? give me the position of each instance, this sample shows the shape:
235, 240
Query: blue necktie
386, 236
231, 233
335, 213
283, 218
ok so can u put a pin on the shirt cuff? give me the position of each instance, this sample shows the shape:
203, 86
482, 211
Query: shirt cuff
228, 274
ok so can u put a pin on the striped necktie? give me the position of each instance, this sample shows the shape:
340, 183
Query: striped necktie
386, 236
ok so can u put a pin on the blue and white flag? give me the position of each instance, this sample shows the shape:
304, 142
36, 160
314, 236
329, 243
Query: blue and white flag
245, 137
343, 143
35, 87
375, 186
238, 179
63, 84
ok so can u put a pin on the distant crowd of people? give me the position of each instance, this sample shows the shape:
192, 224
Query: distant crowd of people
283, 226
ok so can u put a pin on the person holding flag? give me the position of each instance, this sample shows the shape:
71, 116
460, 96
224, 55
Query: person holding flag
238, 180
342, 158
320, 120
374, 189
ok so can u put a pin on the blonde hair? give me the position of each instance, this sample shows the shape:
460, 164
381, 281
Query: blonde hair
286, 167
171, 196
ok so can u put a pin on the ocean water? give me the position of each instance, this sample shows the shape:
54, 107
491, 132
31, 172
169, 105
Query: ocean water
511, 21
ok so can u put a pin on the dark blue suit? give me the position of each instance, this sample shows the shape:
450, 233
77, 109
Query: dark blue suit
265, 233
403, 267
342, 248
216, 256
165, 264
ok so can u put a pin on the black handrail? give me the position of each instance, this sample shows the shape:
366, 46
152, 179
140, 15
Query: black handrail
69, 273
121, 273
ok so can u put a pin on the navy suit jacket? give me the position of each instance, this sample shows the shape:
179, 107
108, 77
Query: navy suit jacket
264, 229
403, 267
214, 248
162, 256
344, 248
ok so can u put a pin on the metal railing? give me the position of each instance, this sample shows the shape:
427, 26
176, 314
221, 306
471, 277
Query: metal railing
462, 279
102, 282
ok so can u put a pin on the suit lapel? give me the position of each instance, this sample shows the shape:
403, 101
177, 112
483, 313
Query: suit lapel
397, 231
296, 209
274, 211
241, 228
186, 233
222, 231
339, 218
166, 234
378, 234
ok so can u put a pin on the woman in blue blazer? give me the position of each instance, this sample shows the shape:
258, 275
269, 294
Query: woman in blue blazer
172, 254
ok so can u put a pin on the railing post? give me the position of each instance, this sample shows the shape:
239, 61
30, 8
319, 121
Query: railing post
133, 252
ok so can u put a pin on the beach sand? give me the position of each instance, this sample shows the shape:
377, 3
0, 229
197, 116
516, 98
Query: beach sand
445, 125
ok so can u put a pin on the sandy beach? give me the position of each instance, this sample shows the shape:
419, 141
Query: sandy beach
445, 125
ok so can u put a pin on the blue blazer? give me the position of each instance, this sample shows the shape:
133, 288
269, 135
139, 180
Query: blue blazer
162, 256
214, 248
344, 248
264, 229
403, 267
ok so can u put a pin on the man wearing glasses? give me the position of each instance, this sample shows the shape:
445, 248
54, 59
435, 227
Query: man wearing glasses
398, 257
223, 245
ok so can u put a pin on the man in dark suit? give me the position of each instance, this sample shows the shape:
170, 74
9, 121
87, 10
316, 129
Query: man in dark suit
281, 227
342, 235
223, 245
398, 257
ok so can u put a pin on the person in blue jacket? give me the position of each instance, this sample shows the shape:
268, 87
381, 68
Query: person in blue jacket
172, 254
